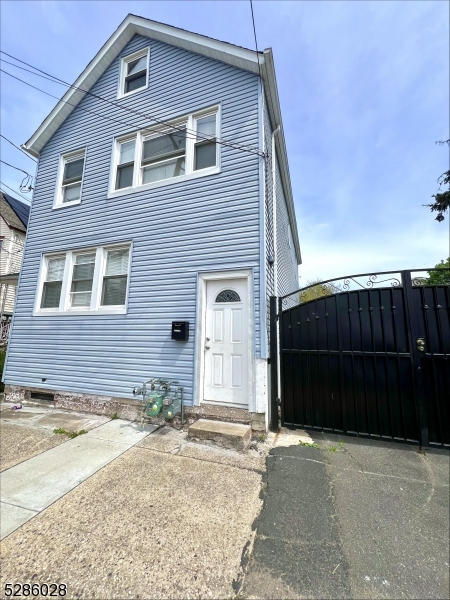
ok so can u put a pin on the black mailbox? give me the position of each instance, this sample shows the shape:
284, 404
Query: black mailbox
180, 330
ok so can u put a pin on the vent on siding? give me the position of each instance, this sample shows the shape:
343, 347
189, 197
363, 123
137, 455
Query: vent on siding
42, 396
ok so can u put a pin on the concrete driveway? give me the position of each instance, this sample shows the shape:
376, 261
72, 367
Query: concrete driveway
163, 518
352, 519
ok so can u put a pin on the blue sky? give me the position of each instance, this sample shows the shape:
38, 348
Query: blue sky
364, 91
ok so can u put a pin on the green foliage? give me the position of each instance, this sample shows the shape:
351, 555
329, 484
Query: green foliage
71, 434
318, 289
332, 449
308, 444
114, 416
441, 199
440, 277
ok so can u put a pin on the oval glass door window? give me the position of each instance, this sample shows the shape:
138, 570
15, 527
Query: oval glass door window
228, 296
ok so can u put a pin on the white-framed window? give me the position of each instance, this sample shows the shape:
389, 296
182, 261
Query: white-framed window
183, 149
69, 183
134, 73
88, 280
205, 148
52, 284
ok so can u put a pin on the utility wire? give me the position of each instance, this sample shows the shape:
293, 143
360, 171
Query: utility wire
256, 43
17, 168
26, 183
10, 188
18, 148
183, 130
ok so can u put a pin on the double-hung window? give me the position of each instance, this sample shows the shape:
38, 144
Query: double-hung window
183, 149
51, 292
115, 279
133, 73
164, 155
70, 178
90, 280
125, 166
82, 280
205, 152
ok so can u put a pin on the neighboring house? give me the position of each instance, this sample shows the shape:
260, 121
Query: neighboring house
13, 226
167, 193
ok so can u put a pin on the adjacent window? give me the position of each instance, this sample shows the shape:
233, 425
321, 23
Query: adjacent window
125, 167
93, 280
134, 73
183, 149
82, 280
70, 178
116, 277
51, 293
164, 155
205, 145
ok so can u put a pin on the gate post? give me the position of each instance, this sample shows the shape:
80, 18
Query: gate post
273, 404
414, 333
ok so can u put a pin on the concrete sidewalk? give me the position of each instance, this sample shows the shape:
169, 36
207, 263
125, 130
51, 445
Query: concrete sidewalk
168, 518
31, 486
352, 519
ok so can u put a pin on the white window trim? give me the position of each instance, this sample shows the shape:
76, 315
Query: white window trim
99, 270
123, 71
58, 198
190, 121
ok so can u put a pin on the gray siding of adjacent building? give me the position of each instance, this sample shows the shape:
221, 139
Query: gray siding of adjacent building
287, 273
284, 254
205, 224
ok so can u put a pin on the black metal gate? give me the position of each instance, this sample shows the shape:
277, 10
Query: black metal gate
366, 355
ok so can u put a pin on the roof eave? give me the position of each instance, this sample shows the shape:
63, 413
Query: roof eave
130, 26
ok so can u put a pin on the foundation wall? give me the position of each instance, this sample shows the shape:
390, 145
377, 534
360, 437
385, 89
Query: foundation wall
130, 410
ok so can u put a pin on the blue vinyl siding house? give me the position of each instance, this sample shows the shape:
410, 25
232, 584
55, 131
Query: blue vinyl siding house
164, 180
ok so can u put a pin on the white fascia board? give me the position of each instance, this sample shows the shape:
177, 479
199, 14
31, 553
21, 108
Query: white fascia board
222, 51
273, 105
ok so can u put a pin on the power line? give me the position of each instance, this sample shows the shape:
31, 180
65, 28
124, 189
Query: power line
18, 148
26, 183
256, 43
10, 188
183, 130
17, 168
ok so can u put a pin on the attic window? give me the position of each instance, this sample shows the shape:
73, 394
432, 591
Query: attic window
134, 73
70, 179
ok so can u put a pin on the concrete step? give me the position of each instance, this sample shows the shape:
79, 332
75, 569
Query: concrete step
228, 435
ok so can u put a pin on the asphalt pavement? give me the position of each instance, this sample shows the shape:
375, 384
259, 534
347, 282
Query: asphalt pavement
352, 519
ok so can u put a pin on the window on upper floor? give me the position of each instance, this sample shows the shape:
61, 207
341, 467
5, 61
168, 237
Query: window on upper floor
70, 179
133, 73
205, 152
164, 155
89, 280
182, 149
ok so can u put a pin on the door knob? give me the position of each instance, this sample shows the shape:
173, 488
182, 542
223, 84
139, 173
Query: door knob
206, 347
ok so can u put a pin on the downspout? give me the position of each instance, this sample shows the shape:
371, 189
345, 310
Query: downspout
275, 252
274, 212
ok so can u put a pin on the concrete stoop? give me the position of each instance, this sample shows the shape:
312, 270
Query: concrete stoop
228, 435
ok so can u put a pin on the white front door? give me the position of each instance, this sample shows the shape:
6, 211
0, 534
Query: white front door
226, 342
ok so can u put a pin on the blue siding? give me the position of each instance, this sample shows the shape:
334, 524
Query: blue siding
210, 223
